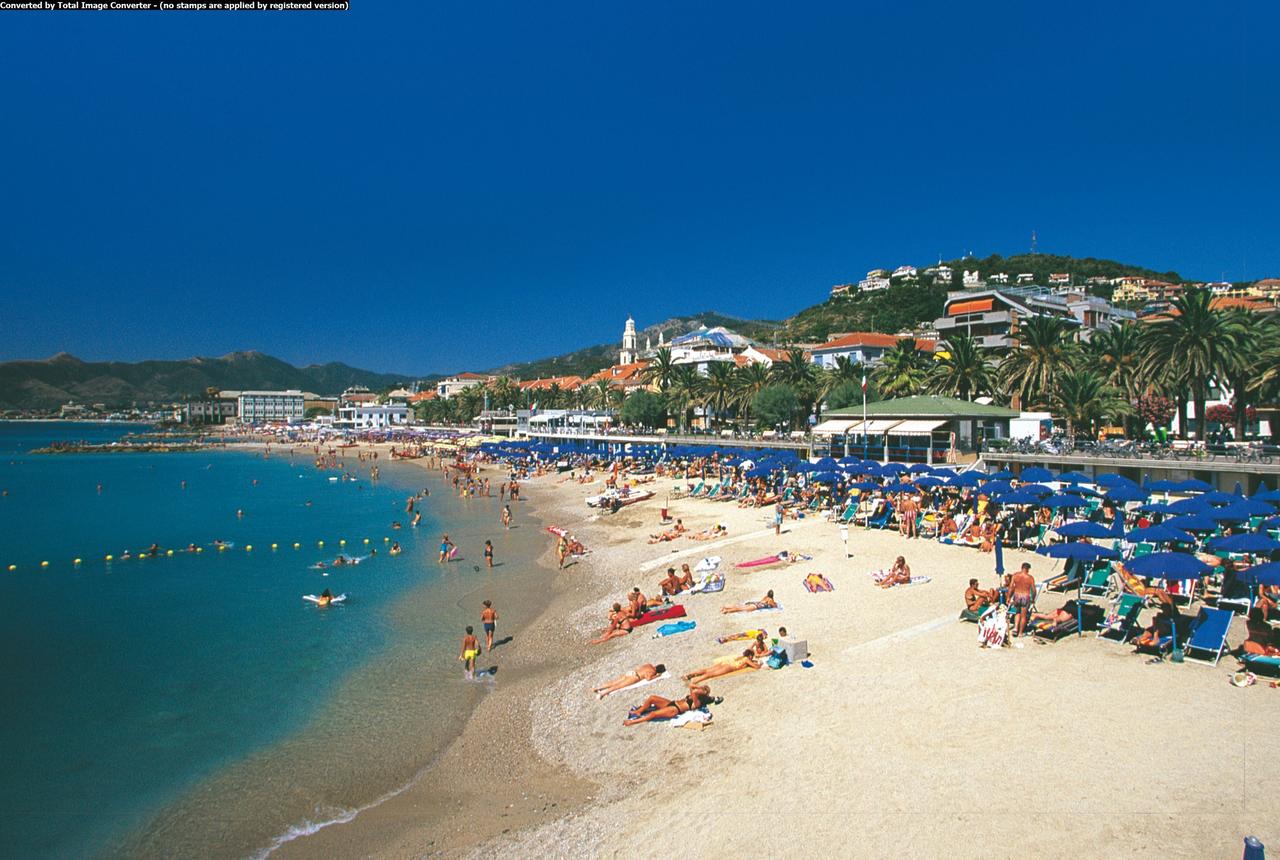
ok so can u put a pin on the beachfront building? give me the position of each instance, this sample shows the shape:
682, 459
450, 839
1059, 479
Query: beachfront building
861, 347
357, 394
570, 421
992, 316
927, 428
372, 416
450, 386
627, 377
704, 346
216, 407
270, 407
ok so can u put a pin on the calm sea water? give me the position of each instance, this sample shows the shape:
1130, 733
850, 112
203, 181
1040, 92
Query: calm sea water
194, 705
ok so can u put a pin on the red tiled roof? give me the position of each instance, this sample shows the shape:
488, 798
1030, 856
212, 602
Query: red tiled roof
470, 375
871, 338
565, 383
423, 395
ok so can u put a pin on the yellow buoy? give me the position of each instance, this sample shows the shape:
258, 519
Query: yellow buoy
109, 558
12, 568
168, 552
342, 542
199, 549
297, 545
44, 564
248, 547
77, 561
275, 546
366, 540
319, 543
386, 540
221, 547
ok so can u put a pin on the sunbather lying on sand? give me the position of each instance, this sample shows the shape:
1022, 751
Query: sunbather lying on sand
645, 672
1049, 619
619, 625
658, 708
701, 676
766, 602
709, 534
670, 534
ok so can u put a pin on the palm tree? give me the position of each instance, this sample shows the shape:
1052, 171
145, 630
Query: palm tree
719, 386
1045, 349
661, 370
962, 369
1244, 366
748, 381
685, 392
1082, 396
902, 371
1117, 354
599, 394
1265, 384
798, 372
1190, 345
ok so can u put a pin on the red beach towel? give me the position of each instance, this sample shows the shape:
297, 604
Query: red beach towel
663, 614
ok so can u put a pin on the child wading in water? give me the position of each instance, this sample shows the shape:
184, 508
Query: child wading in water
470, 650
489, 618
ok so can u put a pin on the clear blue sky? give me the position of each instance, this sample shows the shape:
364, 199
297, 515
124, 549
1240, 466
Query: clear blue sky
434, 186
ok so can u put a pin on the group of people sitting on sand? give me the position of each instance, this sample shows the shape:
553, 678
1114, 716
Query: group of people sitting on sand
621, 620
670, 534
673, 585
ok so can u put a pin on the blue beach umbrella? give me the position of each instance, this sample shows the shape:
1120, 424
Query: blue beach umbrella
1248, 542
826, 477
1033, 474
1195, 485
1084, 529
1154, 508
929, 481
1189, 506
1039, 489
1261, 574
967, 479
1112, 479
1002, 475
1161, 486
1019, 497
892, 469
944, 472
864, 485
1172, 566
1158, 534
1217, 497
919, 469
1123, 493
1075, 478
996, 488
1077, 551
1063, 501
1266, 496
1191, 523
1252, 507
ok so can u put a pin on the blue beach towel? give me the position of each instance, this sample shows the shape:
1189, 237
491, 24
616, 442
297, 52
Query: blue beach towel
674, 628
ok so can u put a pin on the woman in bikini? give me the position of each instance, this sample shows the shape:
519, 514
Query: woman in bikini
658, 708
645, 672
766, 602
619, 625
899, 574
744, 661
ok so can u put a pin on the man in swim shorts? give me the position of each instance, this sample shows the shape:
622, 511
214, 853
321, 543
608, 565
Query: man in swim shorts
470, 650
1021, 589
489, 618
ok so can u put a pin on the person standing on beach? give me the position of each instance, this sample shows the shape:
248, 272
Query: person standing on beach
777, 518
446, 546
506, 516
488, 553
470, 650
502, 492
1021, 589
489, 618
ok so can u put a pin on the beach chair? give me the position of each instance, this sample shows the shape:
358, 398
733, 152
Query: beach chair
1208, 635
1097, 581
883, 520
711, 492
868, 509
1260, 664
1121, 623
1142, 549
696, 491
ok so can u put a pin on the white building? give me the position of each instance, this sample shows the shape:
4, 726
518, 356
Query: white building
1026, 278
447, 388
998, 278
372, 416
870, 283
262, 407
903, 273
628, 353
707, 345
971, 278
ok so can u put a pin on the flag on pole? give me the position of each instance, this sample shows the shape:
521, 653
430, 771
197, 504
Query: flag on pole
864, 383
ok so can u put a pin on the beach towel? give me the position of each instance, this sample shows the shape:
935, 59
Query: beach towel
708, 564
763, 562
674, 627
662, 614
700, 717
777, 608
741, 637
993, 627
712, 583
816, 582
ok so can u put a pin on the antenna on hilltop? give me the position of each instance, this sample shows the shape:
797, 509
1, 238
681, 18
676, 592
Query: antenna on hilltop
1033, 241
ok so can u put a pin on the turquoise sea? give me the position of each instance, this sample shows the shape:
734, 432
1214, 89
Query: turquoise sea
194, 704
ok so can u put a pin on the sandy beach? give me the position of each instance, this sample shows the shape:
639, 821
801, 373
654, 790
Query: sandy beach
904, 735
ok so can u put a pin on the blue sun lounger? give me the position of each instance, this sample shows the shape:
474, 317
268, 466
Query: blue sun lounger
1209, 635
1257, 662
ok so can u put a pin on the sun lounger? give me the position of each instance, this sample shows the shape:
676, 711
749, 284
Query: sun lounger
1208, 635
1121, 622
1260, 663
882, 521
1097, 581
1065, 581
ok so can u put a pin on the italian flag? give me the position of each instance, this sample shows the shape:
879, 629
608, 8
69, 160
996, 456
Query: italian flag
864, 382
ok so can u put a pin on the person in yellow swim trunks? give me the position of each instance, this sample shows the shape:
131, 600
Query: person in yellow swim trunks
470, 650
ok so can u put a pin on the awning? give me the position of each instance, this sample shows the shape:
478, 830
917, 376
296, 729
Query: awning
969, 307
834, 427
874, 427
916, 428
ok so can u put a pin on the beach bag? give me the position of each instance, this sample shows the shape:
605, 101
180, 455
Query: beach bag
777, 659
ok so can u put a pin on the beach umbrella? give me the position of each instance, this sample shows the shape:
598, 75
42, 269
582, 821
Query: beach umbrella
864, 485
1078, 551
899, 488
1075, 478
1154, 508
929, 481
1234, 513
1038, 489
1247, 542
1111, 479
1034, 474
999, 548
1189, 506
1261, 574
1217, 497
1194, 485
1252, 507
944, 472
1172, 566
966, 479
919, 469
892, 469
1123, 493
996, 488
1191, 523
1019, 497
1161, 486
826, 477
1002, 475
849, 461
1158, 534
1083, 529
1266, 496
1063, 501
826, 463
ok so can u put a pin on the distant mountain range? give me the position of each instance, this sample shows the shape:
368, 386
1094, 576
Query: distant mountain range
49, 383
52, 382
